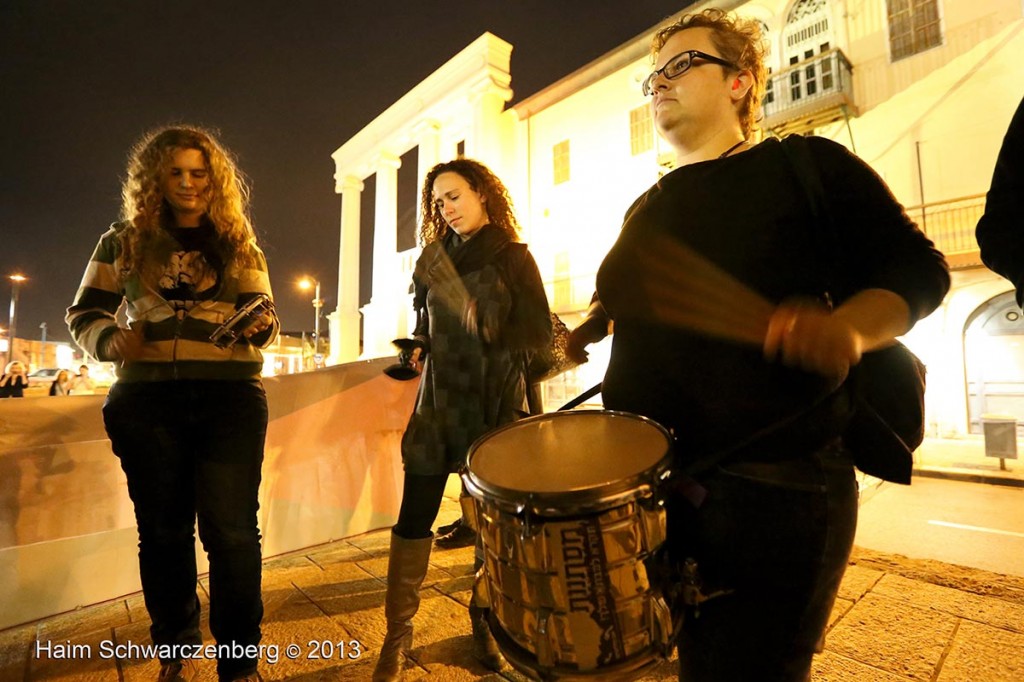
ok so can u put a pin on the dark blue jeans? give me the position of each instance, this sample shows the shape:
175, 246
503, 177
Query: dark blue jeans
194, 449
779, 535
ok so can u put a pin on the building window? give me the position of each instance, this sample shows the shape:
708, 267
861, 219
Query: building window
561, 160
641, 130
913, 26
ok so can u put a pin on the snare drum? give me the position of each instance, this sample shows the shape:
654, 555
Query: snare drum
569, 509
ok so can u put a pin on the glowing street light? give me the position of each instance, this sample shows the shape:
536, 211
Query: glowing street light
307, 283
12, 320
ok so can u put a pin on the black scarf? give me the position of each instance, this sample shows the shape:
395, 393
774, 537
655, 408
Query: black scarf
464, 256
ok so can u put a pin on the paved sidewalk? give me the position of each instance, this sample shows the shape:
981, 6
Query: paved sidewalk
896, 619
964, 459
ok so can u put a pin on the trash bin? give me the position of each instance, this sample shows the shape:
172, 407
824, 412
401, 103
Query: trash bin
1000, 435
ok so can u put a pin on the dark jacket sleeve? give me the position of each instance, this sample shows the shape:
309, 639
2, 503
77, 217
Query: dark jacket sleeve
1001, 230
877, 245
594, 326
420, 289
529, 322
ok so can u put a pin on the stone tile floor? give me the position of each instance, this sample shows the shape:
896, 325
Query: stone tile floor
896, 619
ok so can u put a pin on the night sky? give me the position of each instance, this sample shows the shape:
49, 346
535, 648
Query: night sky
81, 80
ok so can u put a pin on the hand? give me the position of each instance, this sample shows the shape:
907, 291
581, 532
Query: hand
575, 349
412, 357
812, 338
125, 345
262, 324
486, 329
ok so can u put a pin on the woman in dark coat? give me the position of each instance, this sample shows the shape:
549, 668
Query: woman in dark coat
13, 381
481, 311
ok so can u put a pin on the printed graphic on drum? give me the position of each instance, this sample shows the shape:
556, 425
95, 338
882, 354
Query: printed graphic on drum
569, 509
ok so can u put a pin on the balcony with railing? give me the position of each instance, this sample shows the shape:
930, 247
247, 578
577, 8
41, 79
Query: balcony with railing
950, 224
809, 94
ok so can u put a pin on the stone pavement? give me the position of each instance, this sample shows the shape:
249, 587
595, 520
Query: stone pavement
896, 619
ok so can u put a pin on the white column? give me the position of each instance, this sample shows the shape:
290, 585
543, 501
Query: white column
344, 322
428, 137
428, 141
381, 315
484, 142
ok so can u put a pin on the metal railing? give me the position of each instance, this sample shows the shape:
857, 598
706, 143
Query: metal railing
950, 223
820, 84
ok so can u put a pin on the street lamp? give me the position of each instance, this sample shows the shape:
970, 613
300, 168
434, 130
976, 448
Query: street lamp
307, 283
12, 321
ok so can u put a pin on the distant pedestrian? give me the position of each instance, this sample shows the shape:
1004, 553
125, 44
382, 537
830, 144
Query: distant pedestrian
13, 381
62, 384
82, 384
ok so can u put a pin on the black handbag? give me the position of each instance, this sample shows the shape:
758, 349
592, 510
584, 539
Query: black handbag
888, 384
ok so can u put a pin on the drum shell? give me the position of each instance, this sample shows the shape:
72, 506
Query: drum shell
566, 572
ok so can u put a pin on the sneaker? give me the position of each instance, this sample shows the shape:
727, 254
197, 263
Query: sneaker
463, 536
181, 671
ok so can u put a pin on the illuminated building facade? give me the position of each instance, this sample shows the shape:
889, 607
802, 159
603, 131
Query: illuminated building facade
922, 91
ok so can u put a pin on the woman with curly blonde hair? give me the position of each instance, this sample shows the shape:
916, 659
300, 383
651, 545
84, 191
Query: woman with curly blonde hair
187, 416
481, 311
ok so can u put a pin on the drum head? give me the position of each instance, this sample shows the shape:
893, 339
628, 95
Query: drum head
588, 451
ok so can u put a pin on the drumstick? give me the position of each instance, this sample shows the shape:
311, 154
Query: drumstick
447, 284
688, 291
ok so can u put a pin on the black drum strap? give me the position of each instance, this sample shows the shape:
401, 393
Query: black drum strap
581, 398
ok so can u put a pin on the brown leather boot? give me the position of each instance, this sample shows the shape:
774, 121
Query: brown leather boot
407, 566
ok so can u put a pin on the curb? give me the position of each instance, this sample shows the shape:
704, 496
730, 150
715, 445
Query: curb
968, 477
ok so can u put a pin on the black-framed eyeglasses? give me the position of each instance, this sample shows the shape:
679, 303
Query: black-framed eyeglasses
679, 65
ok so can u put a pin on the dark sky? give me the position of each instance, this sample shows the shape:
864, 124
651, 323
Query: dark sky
285, 83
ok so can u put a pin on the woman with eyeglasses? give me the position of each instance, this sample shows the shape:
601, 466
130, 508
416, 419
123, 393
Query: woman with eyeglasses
705, 287
481, 311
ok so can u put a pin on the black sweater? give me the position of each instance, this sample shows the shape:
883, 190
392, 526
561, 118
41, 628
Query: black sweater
748, 215
1001, 230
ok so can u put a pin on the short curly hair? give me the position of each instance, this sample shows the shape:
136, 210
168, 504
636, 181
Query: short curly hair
481, 180
739, 41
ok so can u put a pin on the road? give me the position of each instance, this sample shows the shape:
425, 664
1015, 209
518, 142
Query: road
969, 524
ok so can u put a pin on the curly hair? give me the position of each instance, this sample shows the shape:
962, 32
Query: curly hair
480, 178
146, 211
739, 41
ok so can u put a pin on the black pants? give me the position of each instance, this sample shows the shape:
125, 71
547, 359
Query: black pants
421, 500
188, 449
779, 535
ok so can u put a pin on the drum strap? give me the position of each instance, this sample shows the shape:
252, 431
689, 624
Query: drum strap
581, 398
766, 437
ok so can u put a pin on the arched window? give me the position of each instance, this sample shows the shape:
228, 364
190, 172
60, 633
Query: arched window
808, 33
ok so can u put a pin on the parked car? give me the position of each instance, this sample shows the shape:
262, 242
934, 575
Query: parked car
43, 377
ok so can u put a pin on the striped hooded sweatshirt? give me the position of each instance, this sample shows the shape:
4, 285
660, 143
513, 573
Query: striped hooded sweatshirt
188, 300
